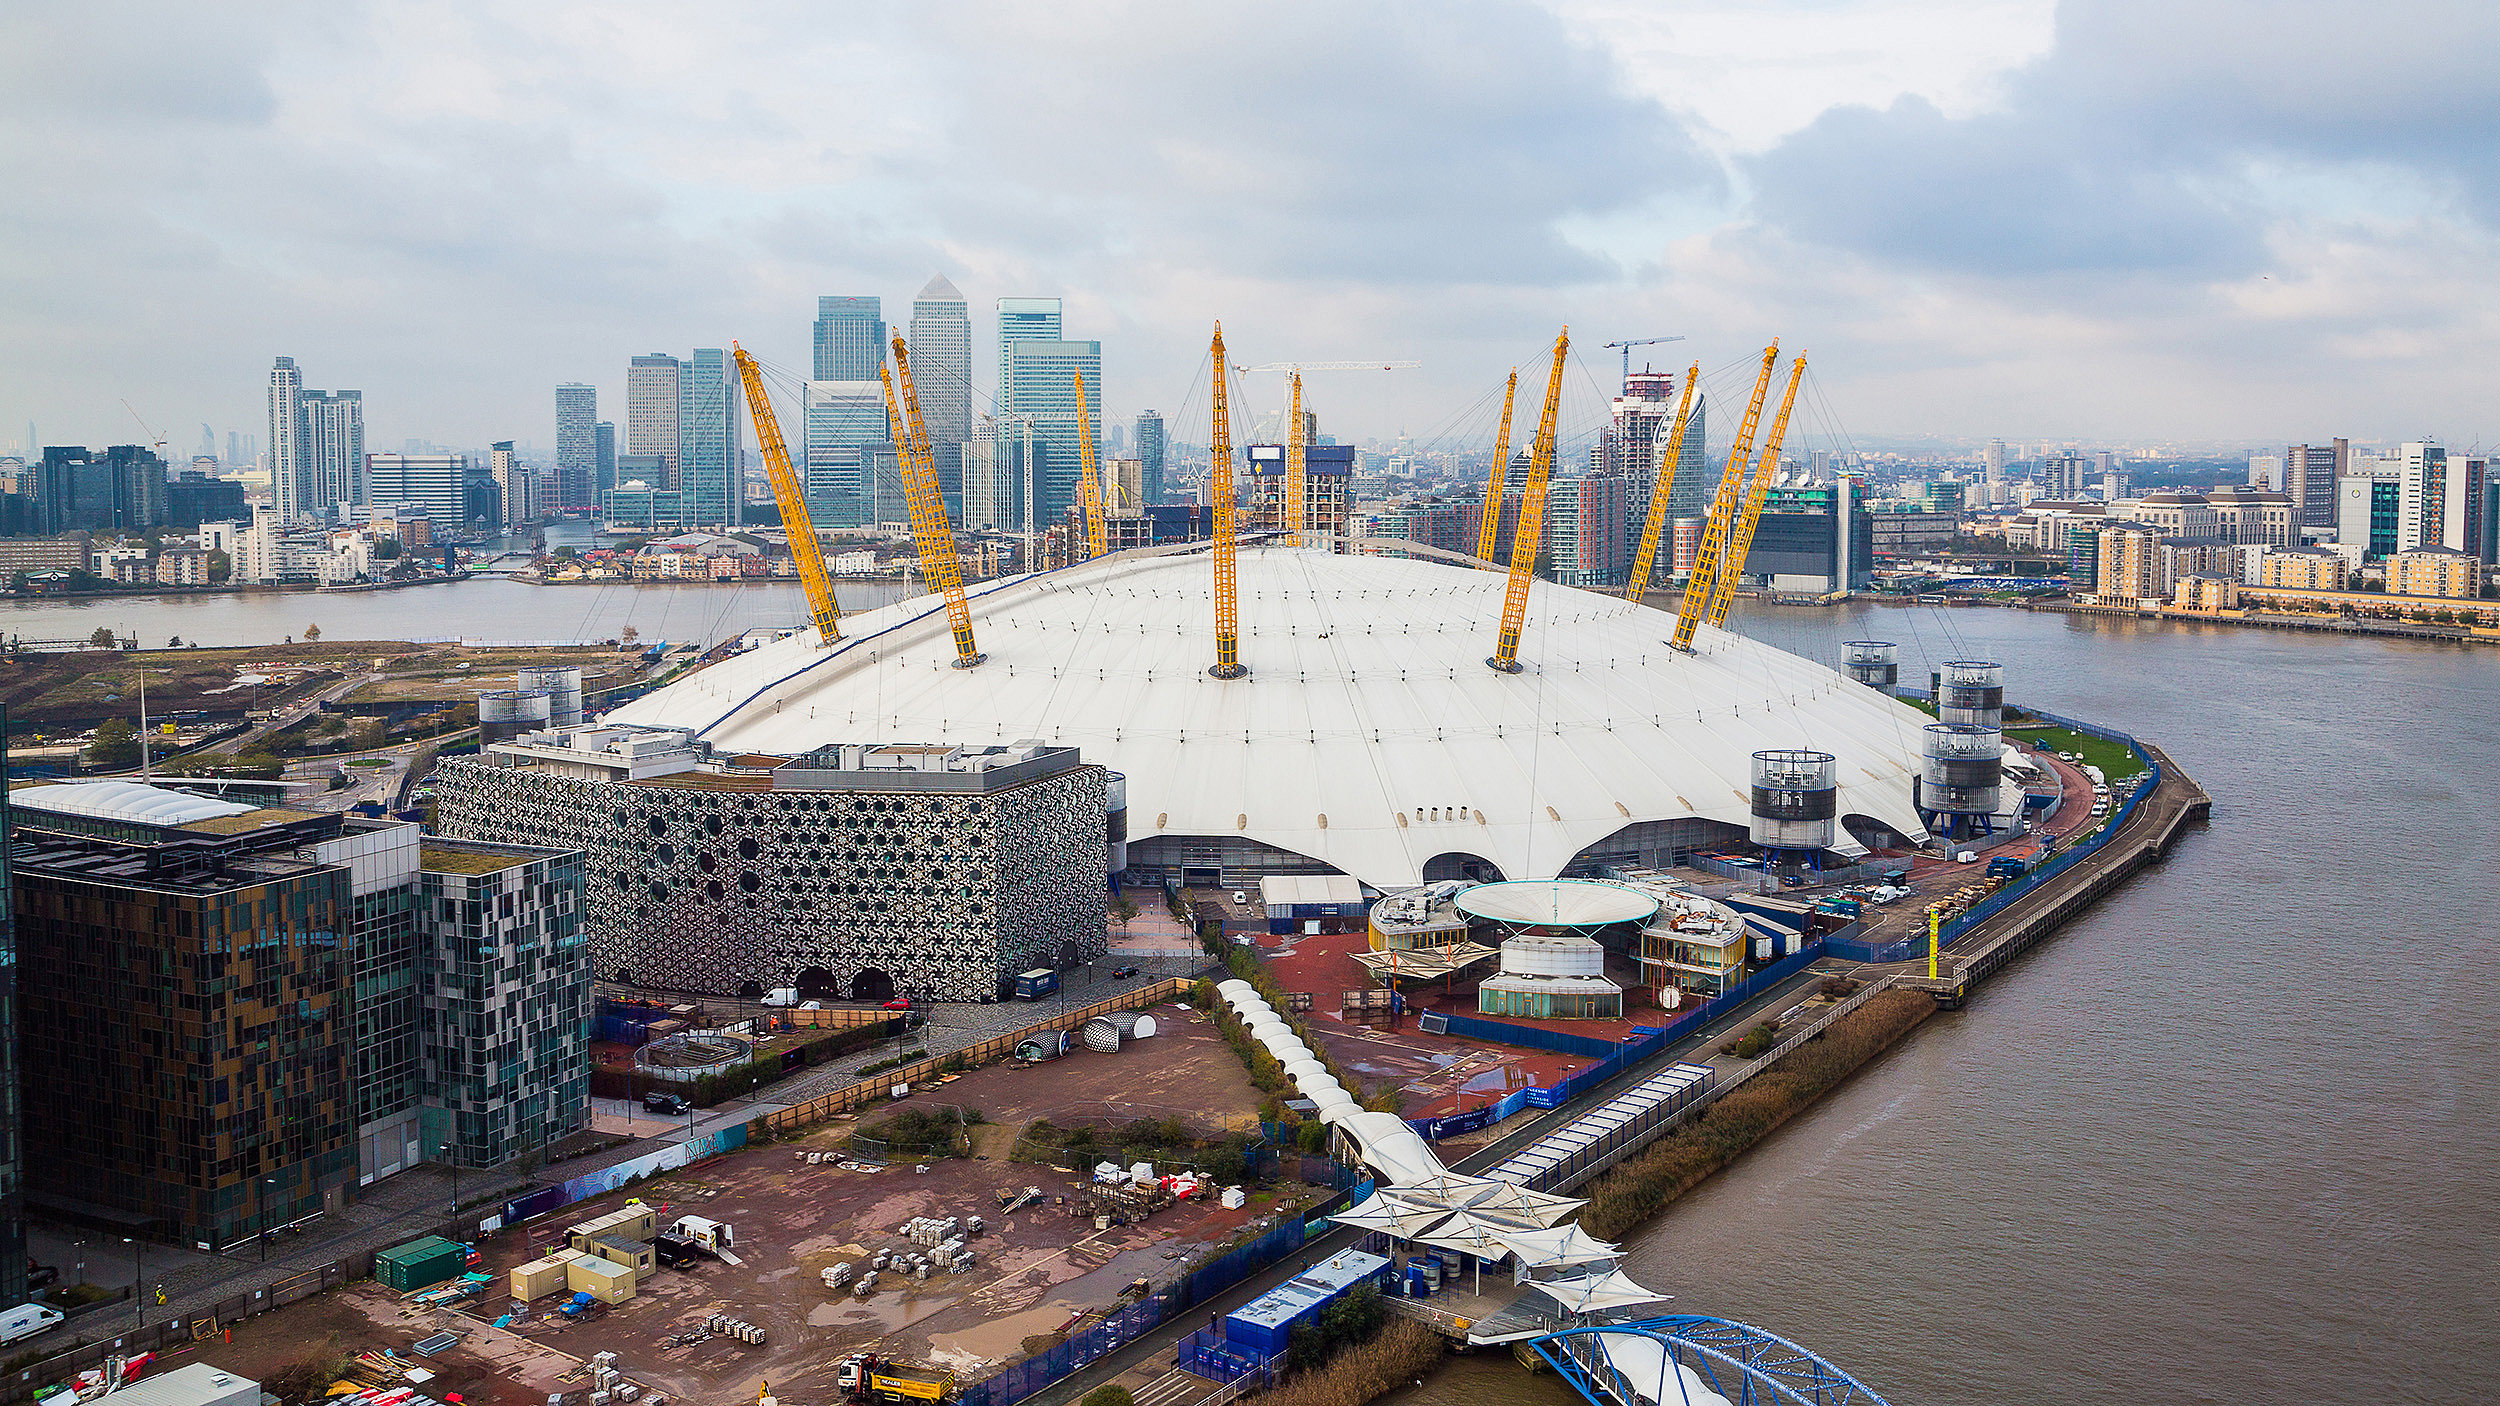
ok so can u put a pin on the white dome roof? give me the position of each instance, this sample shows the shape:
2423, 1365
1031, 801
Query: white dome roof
1368, 735
124, 800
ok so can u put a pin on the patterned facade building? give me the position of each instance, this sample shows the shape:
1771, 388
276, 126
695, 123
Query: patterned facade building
930, 871
506, 994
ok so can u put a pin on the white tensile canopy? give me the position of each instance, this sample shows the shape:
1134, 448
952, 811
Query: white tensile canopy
1369, 736
1557, 1247
1593, 1293
1380, 1211
1651, 1371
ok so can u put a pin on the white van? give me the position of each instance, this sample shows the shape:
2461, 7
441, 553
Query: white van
783, 996
26, 1320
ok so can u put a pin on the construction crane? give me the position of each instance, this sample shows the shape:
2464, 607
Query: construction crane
1723, 507
1297, 468
1725, 589
930, 531
1489, 522
1095, 540
1525, 540
1637, 585
1627, 347
1220, 490
155, 436
804, 549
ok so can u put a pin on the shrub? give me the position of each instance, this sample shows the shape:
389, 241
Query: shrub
1112, 1394
1355, 1317
1757, 1042
1402, 1351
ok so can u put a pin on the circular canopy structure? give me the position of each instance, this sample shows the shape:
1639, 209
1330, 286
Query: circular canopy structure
1556, 904
1368, 734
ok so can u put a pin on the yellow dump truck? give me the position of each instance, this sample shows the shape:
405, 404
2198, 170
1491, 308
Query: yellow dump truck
868, 1377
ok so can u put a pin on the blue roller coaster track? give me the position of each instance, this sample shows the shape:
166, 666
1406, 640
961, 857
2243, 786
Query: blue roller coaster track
1743, 1364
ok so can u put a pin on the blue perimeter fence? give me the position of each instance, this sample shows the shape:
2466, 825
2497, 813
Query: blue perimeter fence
1612, 1058
1977, 913
1088, 1344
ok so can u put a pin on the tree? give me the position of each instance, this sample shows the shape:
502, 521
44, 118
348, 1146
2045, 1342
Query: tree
1123, 908
103, 637
174, 643
629, 634
220, 566
311, 633
114, 747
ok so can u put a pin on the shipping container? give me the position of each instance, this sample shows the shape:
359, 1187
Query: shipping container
420, 1264
541, 1277
633, 1223
603, 1280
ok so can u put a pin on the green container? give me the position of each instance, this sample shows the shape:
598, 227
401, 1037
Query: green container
420, 1264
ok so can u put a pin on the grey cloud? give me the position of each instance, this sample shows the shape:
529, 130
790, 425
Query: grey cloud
2139, 143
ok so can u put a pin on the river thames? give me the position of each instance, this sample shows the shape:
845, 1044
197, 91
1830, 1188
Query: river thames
2230, 1135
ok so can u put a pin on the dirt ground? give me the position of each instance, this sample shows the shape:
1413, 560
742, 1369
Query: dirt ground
488, 1367
1038, 1270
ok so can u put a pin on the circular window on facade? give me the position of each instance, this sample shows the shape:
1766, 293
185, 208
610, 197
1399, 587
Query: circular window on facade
749, 881
659, 893
748, 848
707, 863
711, 825
658, 826
668, 854
712, 890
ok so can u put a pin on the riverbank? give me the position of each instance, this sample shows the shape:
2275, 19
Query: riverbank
2267, 620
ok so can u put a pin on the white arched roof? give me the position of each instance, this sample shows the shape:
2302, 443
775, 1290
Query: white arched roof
1368, 735
123, 800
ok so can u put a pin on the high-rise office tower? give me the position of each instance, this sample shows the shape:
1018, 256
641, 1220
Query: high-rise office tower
712, 469
1027, 320
941, 372
577, 446
2309, 478
234, 451
335, 427
603, 458
850, 339
1037, 373
655, 394
1150, 455
1994, 460
290, 440
518, 483
845, 421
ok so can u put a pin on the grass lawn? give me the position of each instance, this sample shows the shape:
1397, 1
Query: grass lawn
2113, 758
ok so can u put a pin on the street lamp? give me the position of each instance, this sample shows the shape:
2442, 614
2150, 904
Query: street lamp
138, 1277
265, 1184
448, 1161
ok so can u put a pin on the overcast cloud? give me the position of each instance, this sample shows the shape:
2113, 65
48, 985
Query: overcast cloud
2116, 223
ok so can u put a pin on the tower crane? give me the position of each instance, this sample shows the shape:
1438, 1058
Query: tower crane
1723, 508
1637, 585
1626, 348
155, 436
1725, 588
1297, 456
930, 531
1489, 522
1220, 489
1297, 468
804, 549
1095, 540
1525, 540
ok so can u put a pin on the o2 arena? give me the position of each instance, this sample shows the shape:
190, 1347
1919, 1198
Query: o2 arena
1367, 735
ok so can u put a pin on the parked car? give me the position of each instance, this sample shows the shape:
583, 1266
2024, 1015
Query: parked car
1122, 973
669, 1104
899, 1003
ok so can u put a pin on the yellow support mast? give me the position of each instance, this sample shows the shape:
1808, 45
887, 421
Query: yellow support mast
1763, 473
1489, 522
1228, 663
1529, 536
1297, 462
1095, 541
1647, 557
804, 549
931, 532
1723, 506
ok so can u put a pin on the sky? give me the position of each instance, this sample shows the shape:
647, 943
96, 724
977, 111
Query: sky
2110, 223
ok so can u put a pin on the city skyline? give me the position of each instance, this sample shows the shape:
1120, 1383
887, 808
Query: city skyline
2060, 221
